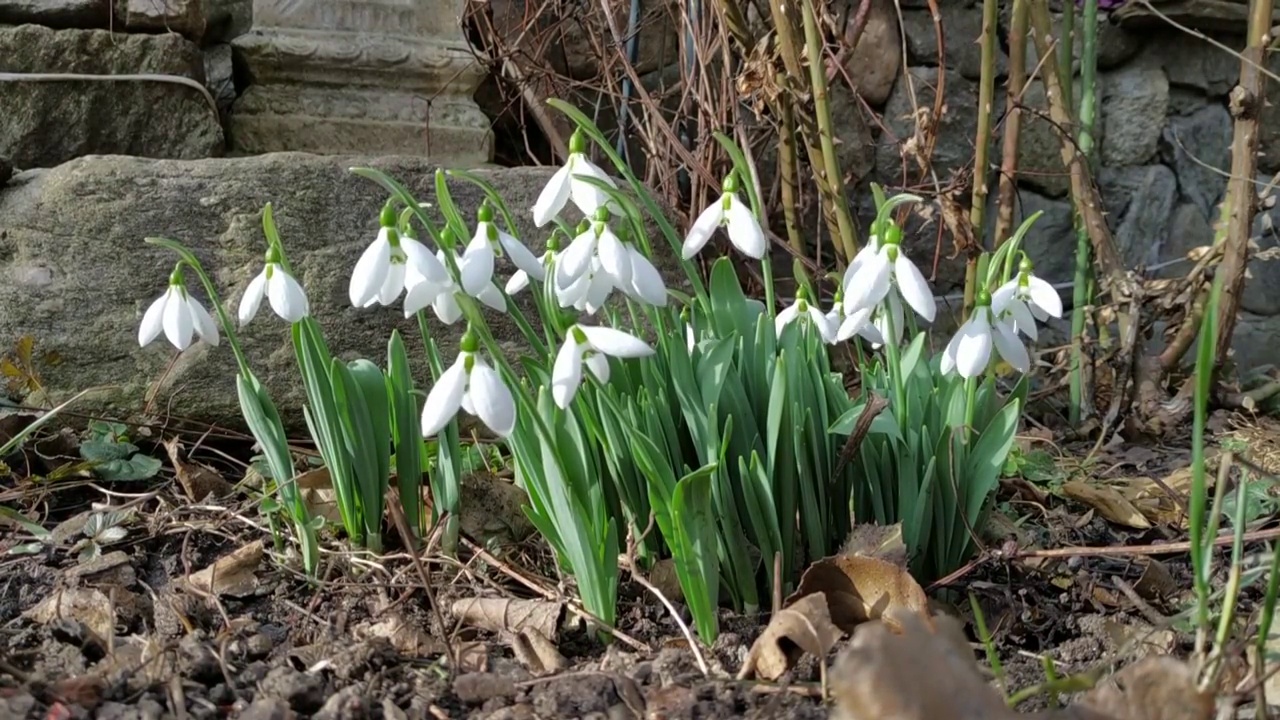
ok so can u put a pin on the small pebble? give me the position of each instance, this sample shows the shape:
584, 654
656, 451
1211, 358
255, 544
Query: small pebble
259, 646
475, 688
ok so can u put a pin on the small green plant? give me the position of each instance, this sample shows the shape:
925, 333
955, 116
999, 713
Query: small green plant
103, 528
113, 457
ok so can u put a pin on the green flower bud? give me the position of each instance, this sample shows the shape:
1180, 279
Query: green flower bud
577, 142
470, 342
982, 298
485, 213
602, 214
388, 216
731, 183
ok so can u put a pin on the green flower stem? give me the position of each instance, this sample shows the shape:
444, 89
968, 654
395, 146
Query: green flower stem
970, 407
891, 352
1081, 299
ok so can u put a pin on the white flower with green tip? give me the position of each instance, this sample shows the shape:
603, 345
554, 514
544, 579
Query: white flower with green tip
802, 309
729, 212
969, 352
282, 291
381, 273
469, 384
592, 346
881, 268
476, 264
566, 185
1026, 299
179, 316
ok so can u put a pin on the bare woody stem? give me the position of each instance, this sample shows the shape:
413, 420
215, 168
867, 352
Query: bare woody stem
1246, 103
788, 161
1012, 121
1080, 402
982, 143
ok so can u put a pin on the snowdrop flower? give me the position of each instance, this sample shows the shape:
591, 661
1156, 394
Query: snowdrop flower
442, 296
1026, 299
626, 267
380, 273
802, 309
593, 346
179, 316
281, 289
846, 326
520, 279
969, 351
882, 267
476, 265
588, 292
565, 185
731, 213
471, 385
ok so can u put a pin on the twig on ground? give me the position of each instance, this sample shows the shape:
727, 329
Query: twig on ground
630, 563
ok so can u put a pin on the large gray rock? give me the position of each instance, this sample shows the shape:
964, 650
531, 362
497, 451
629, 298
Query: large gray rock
1040, 144
1198, 148
962, 25
1195, 63
49, 120
1050, 241
1269, 123
1261, 293
57, 13
76, 276
1135, 102
1189, 229
1139, 202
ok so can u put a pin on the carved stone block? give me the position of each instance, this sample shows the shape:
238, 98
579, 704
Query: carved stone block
199, 20
366, 76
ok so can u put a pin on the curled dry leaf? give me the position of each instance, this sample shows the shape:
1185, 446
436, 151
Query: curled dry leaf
537, 652
504, 615
879, 676
231, 574
198, 481
1154, 688
319, 495
803, 626
89, 607
405, 636
1108, 501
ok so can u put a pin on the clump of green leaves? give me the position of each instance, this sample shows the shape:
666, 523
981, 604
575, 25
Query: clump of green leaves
114, 457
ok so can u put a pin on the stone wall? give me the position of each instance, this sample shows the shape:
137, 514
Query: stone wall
189, 79
1164, 137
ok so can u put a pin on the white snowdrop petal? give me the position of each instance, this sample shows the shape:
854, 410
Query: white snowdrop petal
1003, 295
445, 398
1044, 296
552, 198
152, 320
973, 353
1010, 349
522, 257
446, 308
492, 297
252, 298
598, 292
913, 287
518, 281
852, 324
491, 400
577, 257
870, 284
178, 324
286, 296
370, 270
646, 281
566, 373
476, 265
206, 328
615, 343
1022, 318
744, 229
820, 323
785, 318
421, 293
703, 228
423, 262
614, 258
599, 366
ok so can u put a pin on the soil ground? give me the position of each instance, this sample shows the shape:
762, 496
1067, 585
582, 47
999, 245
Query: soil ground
134, 635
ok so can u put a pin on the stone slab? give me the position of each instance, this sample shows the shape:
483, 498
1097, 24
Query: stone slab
61, 14
76, 276
202, 21
101, 112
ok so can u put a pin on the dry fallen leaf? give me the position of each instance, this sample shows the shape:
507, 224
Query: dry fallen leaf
231, 574
473, 657
1108, 501
804, 626
505, 615
537, 652
1272, 685
1154, 688
867, 581
663, 576
88, 606
319, 495
406, 637
198, 481
879, 676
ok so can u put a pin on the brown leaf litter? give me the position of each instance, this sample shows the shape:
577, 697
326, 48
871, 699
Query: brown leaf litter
198, 481
232, 574
867, 581
879, 677
505, 615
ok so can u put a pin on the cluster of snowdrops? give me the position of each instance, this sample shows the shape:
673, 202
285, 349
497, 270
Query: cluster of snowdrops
592, 414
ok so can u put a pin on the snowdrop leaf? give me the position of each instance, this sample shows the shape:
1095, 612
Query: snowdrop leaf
912, 356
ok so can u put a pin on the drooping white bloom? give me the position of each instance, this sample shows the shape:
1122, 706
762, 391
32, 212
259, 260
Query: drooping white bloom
519, 280
969, 351
565, 185
380, 275
882, 267
471, 385
282, 290
859, 323
179, 316
729, 212
442, 295
802, 309
592, 345
588, 292
476, 264
598, 250
1026, 299
889, 310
